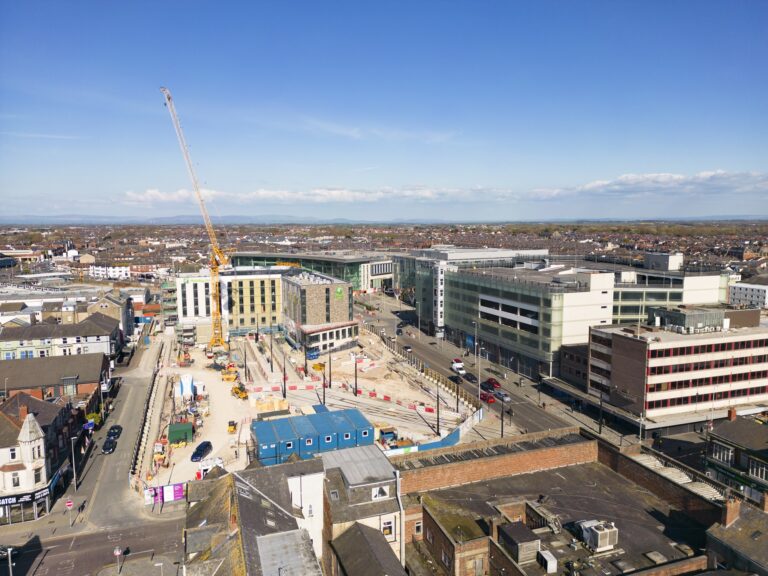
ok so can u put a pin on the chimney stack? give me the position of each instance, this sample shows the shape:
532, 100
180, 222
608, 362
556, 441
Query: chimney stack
731, 510
765, 502
731, 414
23, 411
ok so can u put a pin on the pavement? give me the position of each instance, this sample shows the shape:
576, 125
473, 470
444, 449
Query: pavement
105, 507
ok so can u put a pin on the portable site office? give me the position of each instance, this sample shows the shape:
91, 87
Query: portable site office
306, 436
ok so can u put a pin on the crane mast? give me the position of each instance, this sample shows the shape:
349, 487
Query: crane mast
218, 258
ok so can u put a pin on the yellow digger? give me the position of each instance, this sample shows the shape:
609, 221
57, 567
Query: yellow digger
239, 391
232, 427
229, 376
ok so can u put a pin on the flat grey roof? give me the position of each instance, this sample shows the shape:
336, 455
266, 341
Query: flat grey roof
287, 553
360, 465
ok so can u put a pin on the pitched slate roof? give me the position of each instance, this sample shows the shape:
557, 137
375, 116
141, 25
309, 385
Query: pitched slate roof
49, 371
364, 551
45, 412
744, 432
96, 324
9, 432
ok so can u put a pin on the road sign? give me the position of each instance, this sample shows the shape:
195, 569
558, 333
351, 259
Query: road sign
117, 551
69, 504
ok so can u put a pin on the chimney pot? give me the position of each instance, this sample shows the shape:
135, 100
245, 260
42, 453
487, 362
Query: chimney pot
732, 414
23, 411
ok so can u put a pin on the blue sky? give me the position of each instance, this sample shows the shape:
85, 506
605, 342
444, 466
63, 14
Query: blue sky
482, 110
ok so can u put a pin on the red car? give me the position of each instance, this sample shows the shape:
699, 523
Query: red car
493, 382
487, 397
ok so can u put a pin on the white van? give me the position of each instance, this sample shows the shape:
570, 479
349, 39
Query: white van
458, 367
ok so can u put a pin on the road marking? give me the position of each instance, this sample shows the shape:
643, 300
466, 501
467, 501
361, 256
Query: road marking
72, 543
114, 537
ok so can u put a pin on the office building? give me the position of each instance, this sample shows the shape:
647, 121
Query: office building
318, 313
749, 295
365, 272
688, 365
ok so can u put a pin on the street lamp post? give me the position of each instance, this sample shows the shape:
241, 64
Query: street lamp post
271, 355
438, 408
355, 374
118, 552
10, 560
477, 350
74, 465
330, 365
285, 377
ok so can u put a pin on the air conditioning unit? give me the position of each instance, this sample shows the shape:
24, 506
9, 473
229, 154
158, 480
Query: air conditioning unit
599, 535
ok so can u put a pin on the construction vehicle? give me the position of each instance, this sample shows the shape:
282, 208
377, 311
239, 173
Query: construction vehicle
232, 427
184, 360
209, 353
239, 391
229, 376
219, 260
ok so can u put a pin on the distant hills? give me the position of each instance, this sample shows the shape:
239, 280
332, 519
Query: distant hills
267, 219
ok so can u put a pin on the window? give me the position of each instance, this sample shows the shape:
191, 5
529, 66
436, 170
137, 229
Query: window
758, 469
310, 513
347, 435
418, 527
445, 558
429, 536
289, 445
722, 453
380, 492
364, 433
309, 441
388, 527
15, 479
38, 475
328, 438
13, 453
334, 494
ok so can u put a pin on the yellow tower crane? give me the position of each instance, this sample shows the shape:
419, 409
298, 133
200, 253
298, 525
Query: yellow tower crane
218, 258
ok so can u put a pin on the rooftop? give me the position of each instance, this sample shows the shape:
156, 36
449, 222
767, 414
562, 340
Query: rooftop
52, 370
311, 278
360, 465
584, 492
748, 535
745, 432
364, 551
660, 335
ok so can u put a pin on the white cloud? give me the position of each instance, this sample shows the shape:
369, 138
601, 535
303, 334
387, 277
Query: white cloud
664, 184
626, 186
155, 196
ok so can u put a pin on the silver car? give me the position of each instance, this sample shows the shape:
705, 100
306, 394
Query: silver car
502, 396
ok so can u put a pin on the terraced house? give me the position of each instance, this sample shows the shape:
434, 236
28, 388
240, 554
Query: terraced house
96, 334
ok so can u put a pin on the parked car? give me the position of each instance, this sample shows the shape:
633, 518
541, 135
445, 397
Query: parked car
408, 348
494, 382
469, 377
487, 397
486, 387
401, 324
399, 332
109, 446
502, 396
202, 450
114, 431
456, 379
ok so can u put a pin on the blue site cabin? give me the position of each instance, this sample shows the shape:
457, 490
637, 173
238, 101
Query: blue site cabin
326, 432
307, 436
346, 433
363, 428
287, 439
318, 408
266, 442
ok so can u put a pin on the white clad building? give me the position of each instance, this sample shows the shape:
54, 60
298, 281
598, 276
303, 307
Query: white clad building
750, 295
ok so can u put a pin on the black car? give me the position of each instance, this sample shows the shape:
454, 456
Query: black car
114, 432
486, 387
202, 450
456, 379
401, 324
471, 378
109, 446
399, 332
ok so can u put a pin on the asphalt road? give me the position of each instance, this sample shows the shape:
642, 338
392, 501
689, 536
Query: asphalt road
438, 355
86, 554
